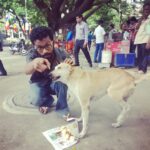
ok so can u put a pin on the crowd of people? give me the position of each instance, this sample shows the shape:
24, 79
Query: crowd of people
136, 30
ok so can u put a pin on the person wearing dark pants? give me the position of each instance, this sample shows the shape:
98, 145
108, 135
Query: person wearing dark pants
145, 62
90, 37
132, 47
2, 69
142, 38
79, 45
81, 41
142, 54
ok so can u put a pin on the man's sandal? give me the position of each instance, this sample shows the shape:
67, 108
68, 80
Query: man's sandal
68, 118
44, 109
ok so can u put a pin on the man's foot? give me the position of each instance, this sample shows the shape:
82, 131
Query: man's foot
68, 118
140, 72
65, 114
90, 65
3, 73
44, 109
76, 65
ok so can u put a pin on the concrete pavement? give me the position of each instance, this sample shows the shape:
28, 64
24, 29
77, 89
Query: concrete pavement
20, 131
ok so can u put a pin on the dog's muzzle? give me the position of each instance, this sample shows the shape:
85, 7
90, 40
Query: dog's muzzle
54, 78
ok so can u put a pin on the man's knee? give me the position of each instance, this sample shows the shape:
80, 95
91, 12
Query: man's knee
35, 100
35, 95
60, 86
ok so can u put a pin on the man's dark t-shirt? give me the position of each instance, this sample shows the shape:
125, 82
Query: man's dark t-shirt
55, 58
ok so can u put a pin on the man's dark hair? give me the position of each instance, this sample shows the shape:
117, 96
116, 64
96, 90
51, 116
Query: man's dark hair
100, 22
146, 4
128, 22
133, 18
112, 26
40, 33
80, 16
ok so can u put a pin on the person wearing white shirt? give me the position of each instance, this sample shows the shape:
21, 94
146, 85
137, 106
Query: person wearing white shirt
99, 35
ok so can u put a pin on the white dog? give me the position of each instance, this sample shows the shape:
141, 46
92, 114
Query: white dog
89, 84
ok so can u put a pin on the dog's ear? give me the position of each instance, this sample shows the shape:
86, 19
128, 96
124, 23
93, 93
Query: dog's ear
71, 68
68, 61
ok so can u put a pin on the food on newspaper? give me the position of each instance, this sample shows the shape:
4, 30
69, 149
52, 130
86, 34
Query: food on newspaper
63, 137
66, 134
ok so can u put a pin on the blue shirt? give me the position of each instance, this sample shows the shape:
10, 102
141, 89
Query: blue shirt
90, 36
69, 36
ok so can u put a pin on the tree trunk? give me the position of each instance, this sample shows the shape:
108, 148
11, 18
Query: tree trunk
53, 10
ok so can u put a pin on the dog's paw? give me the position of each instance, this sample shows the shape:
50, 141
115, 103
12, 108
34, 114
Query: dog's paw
78, 119
116, 125
81, 135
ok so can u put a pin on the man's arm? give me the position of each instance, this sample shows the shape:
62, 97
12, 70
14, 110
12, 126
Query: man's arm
38, 64
86, 31
137, 26
75, 33
103, 31
148, 33
29, 69
148, 44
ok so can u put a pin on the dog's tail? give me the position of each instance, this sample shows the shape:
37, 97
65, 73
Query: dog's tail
138, 77
142, 77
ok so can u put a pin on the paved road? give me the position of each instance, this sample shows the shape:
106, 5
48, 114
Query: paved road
24, 132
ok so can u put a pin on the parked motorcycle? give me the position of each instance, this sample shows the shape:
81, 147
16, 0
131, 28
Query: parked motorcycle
20, 47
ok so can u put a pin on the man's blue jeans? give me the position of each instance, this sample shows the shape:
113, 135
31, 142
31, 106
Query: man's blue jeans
41, 95
98, 52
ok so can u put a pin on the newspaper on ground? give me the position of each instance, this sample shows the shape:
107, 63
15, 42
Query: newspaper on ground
64, 136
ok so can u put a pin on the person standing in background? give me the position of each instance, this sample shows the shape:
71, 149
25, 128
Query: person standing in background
99, 35
132, 33
2, 69
69, 41
111, 32
90, 37
81, 40
142, 38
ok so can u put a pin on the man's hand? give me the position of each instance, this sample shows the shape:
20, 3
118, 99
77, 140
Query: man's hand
85, 45
41, 64
148, 45
68, 61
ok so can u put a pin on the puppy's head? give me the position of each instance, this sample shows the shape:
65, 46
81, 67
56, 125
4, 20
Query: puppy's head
61, 72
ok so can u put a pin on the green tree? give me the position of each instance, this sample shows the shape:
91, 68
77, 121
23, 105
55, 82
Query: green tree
116, 13
58, 13
17, 8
